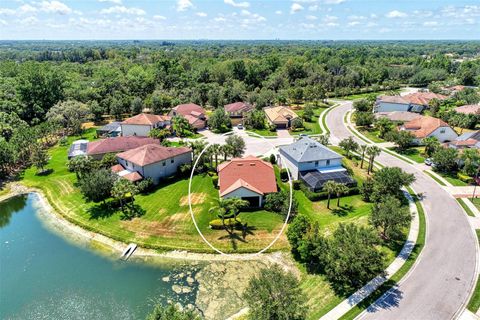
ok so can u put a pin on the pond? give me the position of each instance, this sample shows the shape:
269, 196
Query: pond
44, 276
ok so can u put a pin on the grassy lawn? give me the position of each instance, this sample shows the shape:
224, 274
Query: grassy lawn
453, 179
312, 127
371, 134
440, 182
474, 303
476, 202
366, 95
415, 154
465, 207
263, 132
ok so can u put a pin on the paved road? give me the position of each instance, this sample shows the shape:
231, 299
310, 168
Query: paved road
439, 285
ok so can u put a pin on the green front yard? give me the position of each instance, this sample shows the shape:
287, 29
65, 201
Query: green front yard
371, 134
452, 179
312, 127
415, 154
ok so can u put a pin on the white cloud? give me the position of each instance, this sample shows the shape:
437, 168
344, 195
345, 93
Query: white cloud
29, 21
112, 1
3, 22
6, 12
333, 1
243, 4
158, 17
430, 23
310, 17
307, 25
201, 14
183, 5
220, 19
396, 14
55, 7
296, 7
123, 10
26, 8
278, 12
353, 23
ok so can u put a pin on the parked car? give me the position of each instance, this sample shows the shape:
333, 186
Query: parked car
240, 126
428, 162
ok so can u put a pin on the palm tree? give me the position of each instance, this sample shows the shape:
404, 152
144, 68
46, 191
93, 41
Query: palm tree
228, 207
341, 189
330, 187
431, 145
372, 151
363, 149
226, 150
122, 189
216, 149
221, 210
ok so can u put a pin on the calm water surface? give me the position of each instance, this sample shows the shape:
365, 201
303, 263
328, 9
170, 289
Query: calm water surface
43, 276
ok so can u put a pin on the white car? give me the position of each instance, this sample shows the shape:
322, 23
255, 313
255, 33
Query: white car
428, 162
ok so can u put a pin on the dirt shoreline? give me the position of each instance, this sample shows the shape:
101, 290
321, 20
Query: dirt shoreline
115, 247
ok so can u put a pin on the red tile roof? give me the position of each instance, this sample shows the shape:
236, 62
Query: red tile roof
118, 144
469, 109
189, 108
117, 168
423, 126
393, 99
151, 153
423, 98
133, 176
145, 119
237, 107
249, 172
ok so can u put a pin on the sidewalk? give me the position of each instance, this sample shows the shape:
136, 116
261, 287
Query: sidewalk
347, 304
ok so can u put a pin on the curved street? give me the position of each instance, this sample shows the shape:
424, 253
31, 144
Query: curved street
439, 285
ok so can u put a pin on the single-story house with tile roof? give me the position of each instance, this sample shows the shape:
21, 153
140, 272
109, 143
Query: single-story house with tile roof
466, 141
469, 109
280, 116
427, 126
238, 109
153, 161
313, 163
413, 102
112, 129
141, 124
195, 114
398, 116
247, 178
97, 149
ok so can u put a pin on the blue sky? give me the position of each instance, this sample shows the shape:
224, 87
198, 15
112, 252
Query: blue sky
240, 19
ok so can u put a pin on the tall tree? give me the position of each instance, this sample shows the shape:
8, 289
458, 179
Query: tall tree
349, 145
390, 217
330, 187
237, 145
97, 185
372, 152
70, 115
124, 189
275, 295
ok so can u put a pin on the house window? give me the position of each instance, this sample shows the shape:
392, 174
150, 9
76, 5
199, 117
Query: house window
164, 163
316, 163
442, 130
328, 162
171, 161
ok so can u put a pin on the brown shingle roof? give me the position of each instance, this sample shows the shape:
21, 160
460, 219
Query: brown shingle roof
423, 126
145, 119
118, 144
469, 109
188, 108
117, 168
398, 115
249, 172
151, 153
423, 98
279, 114
237, 107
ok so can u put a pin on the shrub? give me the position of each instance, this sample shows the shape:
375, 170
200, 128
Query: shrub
215, 181
272, 127
63, 141
217, 224
464, 178
145, 185
284, 174
297, 184
273, 159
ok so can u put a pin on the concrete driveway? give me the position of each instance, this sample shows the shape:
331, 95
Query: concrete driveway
440, 284
254, 145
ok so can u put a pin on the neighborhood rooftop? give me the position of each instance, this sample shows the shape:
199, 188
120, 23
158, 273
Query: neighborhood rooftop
151, 153
306, 149
118, 144
249, 172
237, 106
145, 119
424, 126
469, 109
